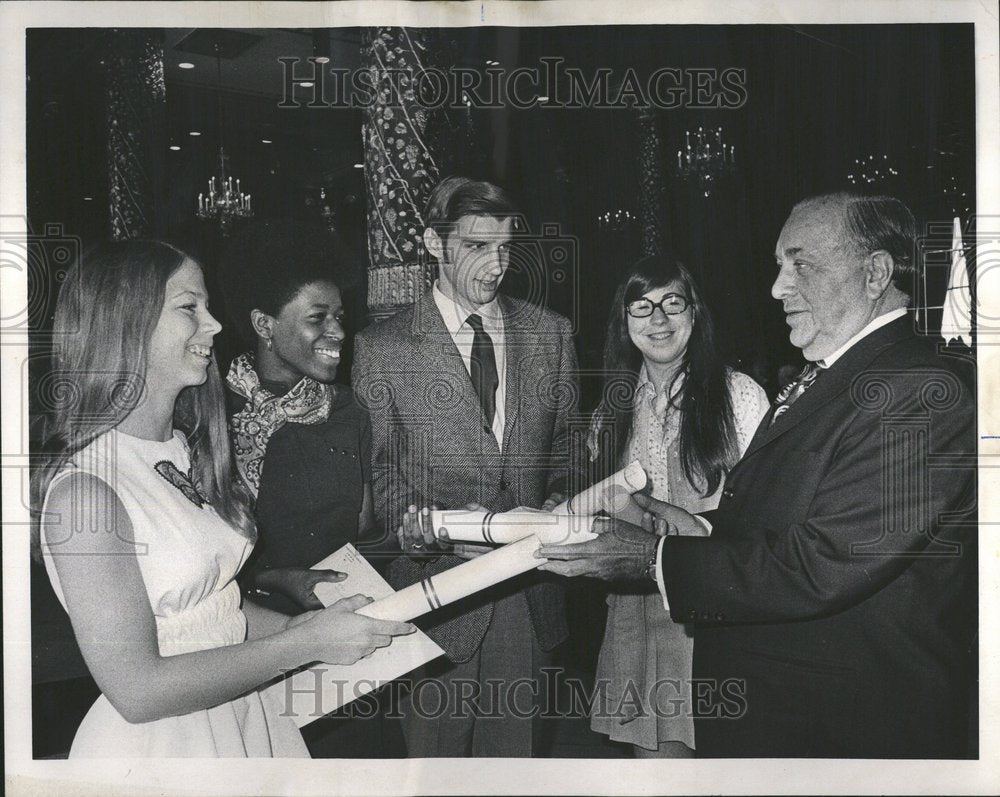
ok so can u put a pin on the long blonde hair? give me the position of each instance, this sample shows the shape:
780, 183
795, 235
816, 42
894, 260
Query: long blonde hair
108, 307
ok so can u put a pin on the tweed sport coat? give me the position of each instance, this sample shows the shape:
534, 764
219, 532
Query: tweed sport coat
835, 602
431, 444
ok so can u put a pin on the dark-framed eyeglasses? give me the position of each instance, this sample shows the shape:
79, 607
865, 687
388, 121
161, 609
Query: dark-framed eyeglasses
671, 304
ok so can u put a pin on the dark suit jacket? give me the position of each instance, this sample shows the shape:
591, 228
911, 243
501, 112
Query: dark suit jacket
835, 601
431, 443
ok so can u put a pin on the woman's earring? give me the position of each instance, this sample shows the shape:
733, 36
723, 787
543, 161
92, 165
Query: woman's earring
269, 344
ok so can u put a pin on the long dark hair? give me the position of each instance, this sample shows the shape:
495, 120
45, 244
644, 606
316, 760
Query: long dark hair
708, 430
108, 307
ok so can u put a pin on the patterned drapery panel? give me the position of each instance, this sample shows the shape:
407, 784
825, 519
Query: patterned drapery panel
136, 111
400, 169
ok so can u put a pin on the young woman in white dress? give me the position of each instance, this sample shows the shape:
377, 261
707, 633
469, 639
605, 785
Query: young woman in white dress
143, 526
687, 419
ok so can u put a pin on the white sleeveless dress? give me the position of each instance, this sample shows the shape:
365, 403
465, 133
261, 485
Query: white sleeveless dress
188, 557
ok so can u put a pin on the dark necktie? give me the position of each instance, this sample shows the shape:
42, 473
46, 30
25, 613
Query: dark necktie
791, 393
484, 368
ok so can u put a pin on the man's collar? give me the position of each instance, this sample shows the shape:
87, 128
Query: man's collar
876, 323
455, 315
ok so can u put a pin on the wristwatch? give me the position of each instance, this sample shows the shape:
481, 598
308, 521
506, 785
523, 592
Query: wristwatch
650, 571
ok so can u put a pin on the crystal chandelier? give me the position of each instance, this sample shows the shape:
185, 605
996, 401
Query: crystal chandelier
872, 169
224, 202
705, 159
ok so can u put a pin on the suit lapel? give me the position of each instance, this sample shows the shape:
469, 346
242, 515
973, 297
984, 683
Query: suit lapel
831, 382
515, 347
433, 341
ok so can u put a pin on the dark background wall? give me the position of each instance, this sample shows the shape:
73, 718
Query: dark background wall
817, 98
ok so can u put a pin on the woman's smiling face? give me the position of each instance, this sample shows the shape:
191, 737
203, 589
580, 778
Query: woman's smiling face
180, 348
307, 335
662, 339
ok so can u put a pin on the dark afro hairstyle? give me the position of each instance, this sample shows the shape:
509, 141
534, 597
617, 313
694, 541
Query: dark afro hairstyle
271, 260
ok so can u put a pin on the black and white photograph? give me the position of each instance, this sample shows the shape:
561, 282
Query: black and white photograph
491, 397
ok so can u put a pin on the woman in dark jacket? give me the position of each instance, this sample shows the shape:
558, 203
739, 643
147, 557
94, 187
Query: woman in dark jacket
301, 441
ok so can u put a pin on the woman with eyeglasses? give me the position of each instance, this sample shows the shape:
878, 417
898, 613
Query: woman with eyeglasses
687, 419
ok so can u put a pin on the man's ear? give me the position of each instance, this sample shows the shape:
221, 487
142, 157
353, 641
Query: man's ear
879, 270
433, 243
262, 323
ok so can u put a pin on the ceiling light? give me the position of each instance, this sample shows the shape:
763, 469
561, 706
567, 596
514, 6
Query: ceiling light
186, 65
194, 133
543, 99
307, 84
224, 203
88, 199
322, 59
174, 147
359, 166
265, 141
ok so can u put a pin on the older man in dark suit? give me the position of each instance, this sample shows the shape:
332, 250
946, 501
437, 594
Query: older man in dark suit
470, 394
835, 601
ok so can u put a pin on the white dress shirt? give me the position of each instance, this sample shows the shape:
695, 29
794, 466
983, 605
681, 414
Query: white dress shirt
826, 362
876, 323
456, 320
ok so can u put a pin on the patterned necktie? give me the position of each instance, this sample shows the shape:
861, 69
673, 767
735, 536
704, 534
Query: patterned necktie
791, 392
484, 368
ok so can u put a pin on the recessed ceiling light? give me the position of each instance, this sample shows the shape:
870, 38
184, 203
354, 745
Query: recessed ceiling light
307, 84
194, 133
322, 59
543, 99
359, 166
265, 141
174, 147
88, 199
186, 65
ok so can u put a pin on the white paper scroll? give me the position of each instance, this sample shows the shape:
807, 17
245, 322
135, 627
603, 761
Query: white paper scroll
559, 527
611, 495
502, 528
465, 579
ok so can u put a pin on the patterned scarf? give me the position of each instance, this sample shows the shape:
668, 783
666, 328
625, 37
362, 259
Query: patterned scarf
265, 413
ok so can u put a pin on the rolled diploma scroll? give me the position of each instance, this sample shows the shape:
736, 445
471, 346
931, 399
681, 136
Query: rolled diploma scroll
503, 528
612, 495
463, 580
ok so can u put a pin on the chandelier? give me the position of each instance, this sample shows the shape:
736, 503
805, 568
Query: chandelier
224, 202
872, 169
705, 159
615, 220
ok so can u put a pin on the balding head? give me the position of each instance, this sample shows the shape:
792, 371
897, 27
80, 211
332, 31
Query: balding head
837, 257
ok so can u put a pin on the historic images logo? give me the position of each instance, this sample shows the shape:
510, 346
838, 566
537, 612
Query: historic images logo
551, 84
